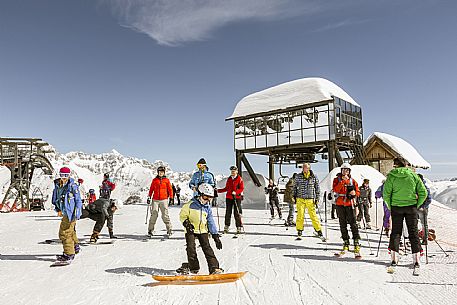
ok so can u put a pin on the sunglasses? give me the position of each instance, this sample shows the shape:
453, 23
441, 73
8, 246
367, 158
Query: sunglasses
206, 197
64, 175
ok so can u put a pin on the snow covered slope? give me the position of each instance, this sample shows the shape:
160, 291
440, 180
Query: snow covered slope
280, 269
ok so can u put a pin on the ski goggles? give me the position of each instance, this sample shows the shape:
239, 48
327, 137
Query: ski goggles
233, 168
206, 197
64, 175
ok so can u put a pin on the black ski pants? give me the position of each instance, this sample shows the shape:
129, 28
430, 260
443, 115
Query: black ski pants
99, 220
235, 206
346, 215
409, 214
364, 211
179, 199
274, 201
192, 258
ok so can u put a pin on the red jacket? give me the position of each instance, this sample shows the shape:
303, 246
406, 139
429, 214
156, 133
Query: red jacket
108, 184
339, 187
92, 198
231, 185
161, 187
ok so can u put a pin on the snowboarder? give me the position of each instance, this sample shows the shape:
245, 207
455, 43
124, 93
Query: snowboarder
234, 188
197, 219
306, 194
272, 190
160, 191
91, 198
364, 203
100, 210
107, 187
203, 175
67, 202
404, 192
423, 211
289, 198
346, 190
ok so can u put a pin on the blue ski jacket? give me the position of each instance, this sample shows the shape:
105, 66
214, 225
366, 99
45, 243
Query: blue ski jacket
67, 199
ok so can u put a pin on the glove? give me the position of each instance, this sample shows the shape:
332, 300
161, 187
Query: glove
59, 213
233, 193
217, 240
149, 200
189, 227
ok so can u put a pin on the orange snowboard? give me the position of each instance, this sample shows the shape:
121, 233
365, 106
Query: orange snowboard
200, 277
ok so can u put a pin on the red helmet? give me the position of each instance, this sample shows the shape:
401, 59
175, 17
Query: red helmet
80, 181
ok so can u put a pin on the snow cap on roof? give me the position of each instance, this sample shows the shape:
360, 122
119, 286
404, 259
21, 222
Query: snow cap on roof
291, 94
403, 148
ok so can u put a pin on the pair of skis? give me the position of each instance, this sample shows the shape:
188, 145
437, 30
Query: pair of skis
343, 253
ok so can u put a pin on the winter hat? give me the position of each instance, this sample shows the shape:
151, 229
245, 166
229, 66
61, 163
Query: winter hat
233, 168
366, 180
161, 169
400, 162
201, 161
64, 172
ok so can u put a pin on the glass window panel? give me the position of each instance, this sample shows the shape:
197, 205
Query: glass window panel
322, 134
250, 142
337, 101
321, 108
272, 140
295, 119
322, 118
261, 141
239, 143
239, 129
308, 135
283, 138
260, 126
295, 137
308, 118
338, 112
272, 123
284, 120
249, 127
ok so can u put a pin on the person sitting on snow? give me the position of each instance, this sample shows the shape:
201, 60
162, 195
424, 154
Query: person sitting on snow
100, 210
197, 218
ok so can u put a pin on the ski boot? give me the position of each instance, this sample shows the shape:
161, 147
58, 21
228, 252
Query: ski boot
93, 238
65, 257
299, 234
239, 230
344, 250
184, 269
416, 263
357, 248
169, 233
150, 234
217, 271
226, 229
368, 226
111, 235
77, 248
280, 216
358, 225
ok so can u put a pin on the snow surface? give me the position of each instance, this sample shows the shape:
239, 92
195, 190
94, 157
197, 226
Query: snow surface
290, 94
444, 192
403, 148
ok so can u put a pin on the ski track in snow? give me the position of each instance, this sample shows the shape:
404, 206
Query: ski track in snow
280, 269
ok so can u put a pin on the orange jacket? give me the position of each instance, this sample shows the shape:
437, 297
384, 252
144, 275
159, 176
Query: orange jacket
339, 188
161, 188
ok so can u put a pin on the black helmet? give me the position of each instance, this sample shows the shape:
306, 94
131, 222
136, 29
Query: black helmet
161, 169
106, 175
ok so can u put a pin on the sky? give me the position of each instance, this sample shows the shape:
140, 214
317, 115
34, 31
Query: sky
156, 79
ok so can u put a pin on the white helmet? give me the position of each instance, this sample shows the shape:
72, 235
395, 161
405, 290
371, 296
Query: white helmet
206, 189
346, 165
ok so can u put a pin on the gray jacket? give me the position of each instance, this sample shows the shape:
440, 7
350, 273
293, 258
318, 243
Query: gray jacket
102, 206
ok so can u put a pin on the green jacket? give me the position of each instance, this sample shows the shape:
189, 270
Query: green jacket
403, 188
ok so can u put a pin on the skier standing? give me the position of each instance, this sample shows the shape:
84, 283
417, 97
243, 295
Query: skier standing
386, 217
197, 219
178, 194
423, 211
67, 202
234, 188
404, 192
107, 187
307, 192
203, 175
100, 210
272, 190
364, 203
160, 191
346, 190
91, 198
289, 198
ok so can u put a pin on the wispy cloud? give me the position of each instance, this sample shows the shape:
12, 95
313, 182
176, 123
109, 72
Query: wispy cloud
173, 22
340, 24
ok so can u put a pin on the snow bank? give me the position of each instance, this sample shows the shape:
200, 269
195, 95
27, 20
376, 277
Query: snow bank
444, 192
403, 148
294, 93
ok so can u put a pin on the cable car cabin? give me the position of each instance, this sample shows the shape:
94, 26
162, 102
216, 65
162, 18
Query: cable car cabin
292, 122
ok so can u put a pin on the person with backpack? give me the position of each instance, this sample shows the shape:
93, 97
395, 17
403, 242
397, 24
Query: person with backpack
289, 198
364, 203
107, 187
160, 192
202, 175
197, 218
272, 190
100, 211
91, 198
234, 187
346, 190
404, 192
306, 194
67, 202
422, 211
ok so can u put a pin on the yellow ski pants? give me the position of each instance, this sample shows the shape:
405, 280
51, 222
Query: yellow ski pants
303, 204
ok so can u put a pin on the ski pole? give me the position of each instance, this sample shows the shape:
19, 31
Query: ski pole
147, 213
376, 208
325, 217
379, 243
218, 222
368, 238
441, 248
426, 237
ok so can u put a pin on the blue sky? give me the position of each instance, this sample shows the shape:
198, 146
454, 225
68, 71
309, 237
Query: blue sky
156, 79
